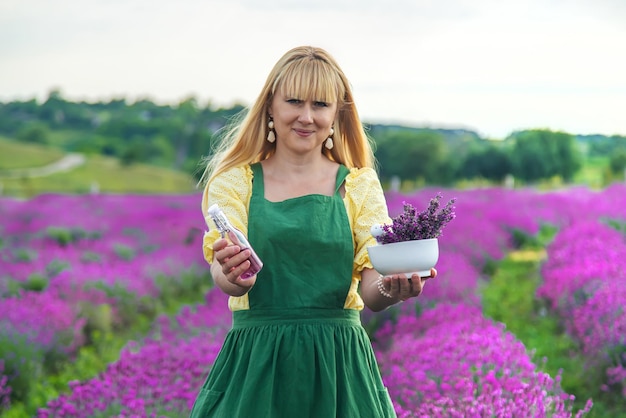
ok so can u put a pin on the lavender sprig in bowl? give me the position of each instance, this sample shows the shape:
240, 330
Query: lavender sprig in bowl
411, 225
410, 244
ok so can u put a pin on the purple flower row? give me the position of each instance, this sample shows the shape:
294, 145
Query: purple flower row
85, 252
585, 281
453, 362
160, 376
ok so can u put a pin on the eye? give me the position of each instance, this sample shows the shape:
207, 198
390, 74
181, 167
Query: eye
321, 104
294, 101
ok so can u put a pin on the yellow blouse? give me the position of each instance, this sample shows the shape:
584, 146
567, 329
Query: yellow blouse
365, 206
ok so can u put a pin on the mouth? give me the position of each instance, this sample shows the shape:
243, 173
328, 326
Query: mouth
303, 132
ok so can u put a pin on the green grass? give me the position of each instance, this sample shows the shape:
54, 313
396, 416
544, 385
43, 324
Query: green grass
100, 173
62, 138
15, 155
594, 173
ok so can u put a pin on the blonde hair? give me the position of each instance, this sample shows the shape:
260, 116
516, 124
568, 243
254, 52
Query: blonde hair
304, 72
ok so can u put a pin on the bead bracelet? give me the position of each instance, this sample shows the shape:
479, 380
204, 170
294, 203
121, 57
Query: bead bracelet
381, 287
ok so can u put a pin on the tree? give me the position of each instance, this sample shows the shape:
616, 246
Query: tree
568, 159
131, 155
411, 155
490, 161
617, 162
34, 133
541, 154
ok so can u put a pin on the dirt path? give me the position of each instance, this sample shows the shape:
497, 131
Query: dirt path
67, 163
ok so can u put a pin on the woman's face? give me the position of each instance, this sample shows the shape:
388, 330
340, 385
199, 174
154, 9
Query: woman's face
301, 125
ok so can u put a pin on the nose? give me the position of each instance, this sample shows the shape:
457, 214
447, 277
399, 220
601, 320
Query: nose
306, 114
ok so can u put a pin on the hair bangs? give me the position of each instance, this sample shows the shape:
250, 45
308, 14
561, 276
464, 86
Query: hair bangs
313, 80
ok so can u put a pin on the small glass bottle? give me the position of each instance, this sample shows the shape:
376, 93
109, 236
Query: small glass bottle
224, 226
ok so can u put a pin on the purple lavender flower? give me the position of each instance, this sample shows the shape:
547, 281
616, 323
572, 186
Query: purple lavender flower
411, 225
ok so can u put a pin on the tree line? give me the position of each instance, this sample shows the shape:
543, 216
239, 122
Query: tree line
179, 135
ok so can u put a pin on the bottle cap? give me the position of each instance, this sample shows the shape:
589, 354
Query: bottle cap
213, 210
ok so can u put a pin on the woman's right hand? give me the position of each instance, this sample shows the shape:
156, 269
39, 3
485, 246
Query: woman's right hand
229, 263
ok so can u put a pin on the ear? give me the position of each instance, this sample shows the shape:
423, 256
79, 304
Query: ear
268, 109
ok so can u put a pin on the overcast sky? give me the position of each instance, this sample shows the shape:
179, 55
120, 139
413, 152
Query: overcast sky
493, 66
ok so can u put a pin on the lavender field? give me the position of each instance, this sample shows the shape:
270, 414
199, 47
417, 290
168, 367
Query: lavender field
76, 268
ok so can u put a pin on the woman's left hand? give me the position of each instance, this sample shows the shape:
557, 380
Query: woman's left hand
399, 286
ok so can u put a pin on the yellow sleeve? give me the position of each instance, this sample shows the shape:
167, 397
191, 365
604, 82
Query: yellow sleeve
231, 190
367, 206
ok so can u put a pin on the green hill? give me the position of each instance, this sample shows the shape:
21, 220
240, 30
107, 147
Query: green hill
97, 174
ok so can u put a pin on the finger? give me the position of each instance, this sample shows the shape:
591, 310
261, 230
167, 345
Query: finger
249, 282
391, 285
433, 274
234, 273
418, 287
233, 238
226, 253
414, 287
219, 244
398, 286
224, 249
405, 285
236, 262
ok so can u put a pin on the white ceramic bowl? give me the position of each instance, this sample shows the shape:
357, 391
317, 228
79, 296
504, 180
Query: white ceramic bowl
406, 257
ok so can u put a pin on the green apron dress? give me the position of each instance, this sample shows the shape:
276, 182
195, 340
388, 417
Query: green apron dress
297, 352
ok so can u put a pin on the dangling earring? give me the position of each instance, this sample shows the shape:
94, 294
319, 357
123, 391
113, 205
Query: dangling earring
271, 136
329, 141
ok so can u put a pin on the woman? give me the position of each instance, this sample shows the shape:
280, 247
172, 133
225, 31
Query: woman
296, 176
